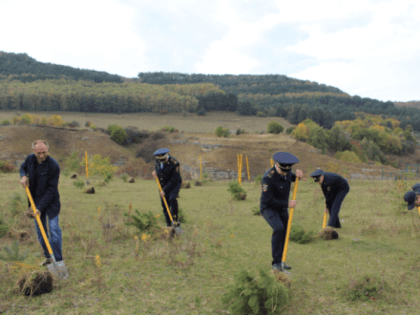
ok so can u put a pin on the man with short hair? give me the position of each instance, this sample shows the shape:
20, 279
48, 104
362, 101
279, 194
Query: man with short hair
168, 173
41, 172
335, 189
274, 202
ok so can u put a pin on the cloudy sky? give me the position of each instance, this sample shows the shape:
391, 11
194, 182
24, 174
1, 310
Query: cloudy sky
369, 48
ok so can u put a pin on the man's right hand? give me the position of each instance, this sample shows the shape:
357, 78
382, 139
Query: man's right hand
292, 203
24, 181
154, 174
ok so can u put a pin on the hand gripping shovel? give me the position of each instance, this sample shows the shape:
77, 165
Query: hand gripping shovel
289, 224
175, 228
57, 269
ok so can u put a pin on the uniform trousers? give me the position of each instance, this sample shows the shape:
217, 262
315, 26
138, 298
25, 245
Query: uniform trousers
278, 220
334, 220
172, 204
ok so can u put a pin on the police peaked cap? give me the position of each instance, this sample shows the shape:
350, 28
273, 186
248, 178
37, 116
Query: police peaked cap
410, 197
285, 159
317, 173
161, 151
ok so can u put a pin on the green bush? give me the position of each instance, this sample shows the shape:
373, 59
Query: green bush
256, 211
3, 227
240, 131
169, 129
222, 132
13, 253
255, 295
143, 221
74, 124
181, 216
290, 130
366, 288
237, 191
72, 162
299, 235
348, 156
258, 179
79, 183
117, 134
201, 112
124, 177
5, 122
6, 167
17, 204
274, 127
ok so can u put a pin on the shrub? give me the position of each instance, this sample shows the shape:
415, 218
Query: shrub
299, 235
240, 131
142, 221
74, 124
237, 191
26, 119
134, 135
43, 121
3, 227
274, 127
13, 253
117, 134
124, 177
258, 179
55, 120
163, 112
16, 120
302, 132
79, 183
366, 288
88, 123
16, 204
72, 162
169, 129
93, 127
201, 112
252, 295
290, 130
6, 167
256, 211
348, 156
5, 122
222, 132
261, 114
181, 216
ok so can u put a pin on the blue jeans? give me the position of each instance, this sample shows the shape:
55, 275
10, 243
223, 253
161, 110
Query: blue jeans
54, 236
278, 221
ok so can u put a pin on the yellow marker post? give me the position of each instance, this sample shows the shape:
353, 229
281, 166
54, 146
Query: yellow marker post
201, 171
289, 224
419, 210
272, 163
240, 169
247, 168
325, 220
87, 171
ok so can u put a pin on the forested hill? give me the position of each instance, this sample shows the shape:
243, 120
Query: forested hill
250, 84
26, 69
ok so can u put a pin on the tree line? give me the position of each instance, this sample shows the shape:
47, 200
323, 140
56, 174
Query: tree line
23, 68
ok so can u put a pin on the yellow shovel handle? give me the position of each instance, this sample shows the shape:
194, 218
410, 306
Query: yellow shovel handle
164, 200
325, 220
289, 224
38, 220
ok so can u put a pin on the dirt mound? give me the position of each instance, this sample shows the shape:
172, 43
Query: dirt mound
37, 283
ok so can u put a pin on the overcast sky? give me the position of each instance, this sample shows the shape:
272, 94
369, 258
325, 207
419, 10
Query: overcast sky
369, 48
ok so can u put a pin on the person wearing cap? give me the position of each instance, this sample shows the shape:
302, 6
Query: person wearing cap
41, 172
413, 197
335, 189
274, 201
167, 171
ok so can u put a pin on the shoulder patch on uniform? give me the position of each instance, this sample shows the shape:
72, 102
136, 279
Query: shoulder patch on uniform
177, 169
264, 187
271, 174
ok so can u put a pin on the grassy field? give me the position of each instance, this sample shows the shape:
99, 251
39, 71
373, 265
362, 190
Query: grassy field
154, 122
188, 275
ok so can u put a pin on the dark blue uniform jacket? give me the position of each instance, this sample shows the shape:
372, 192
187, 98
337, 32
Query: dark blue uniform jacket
332, 184
43, 183
276, 190
169, 176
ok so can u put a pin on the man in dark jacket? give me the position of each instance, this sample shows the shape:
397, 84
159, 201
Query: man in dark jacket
274, 202
335, 188
41, 172
167, 171
413, 197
